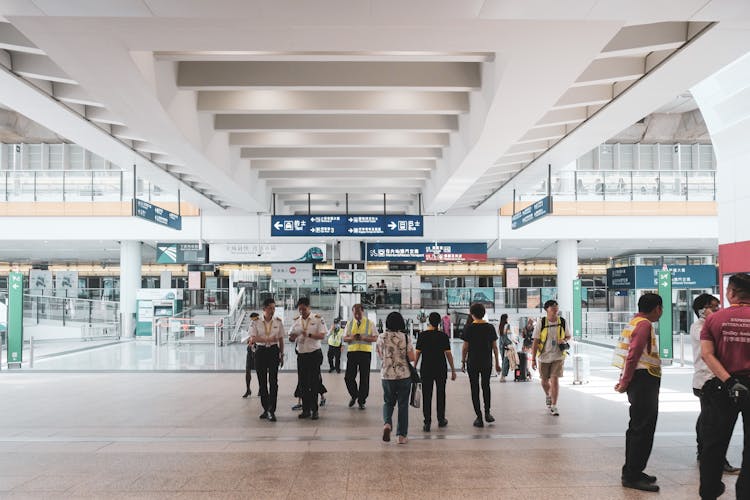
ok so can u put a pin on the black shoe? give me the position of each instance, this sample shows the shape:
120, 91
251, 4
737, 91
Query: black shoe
361, 406
426, 427
271, 416
247, 394
648, 478
489, 418
640, 484
314, 416
304, 414
442, 422
352, 402
729, 469
478, 422
264, 415
338, 371
330, 370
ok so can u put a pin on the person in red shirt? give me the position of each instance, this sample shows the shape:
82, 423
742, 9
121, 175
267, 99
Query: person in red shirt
638, 356
725, 346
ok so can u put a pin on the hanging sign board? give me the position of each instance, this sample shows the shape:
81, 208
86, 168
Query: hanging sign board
157, 215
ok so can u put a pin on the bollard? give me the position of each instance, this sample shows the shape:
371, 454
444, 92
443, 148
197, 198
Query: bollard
31, 352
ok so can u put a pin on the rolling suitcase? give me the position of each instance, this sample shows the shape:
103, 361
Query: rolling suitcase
521, 370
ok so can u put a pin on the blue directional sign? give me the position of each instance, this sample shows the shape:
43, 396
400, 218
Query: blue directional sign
152, 213
533, 212
347, 225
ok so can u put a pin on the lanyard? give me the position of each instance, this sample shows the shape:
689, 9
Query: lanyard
304, 323
268, 327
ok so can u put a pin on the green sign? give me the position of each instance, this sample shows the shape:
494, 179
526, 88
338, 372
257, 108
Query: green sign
15, 318
577, 313
665, 322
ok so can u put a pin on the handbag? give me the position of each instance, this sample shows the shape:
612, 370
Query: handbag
415, 400
413, 373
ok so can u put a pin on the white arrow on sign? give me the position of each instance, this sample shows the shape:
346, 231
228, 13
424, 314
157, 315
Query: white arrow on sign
392, 225
15, 286
278, 225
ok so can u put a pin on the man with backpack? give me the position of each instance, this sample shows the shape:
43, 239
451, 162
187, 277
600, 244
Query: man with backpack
550, 342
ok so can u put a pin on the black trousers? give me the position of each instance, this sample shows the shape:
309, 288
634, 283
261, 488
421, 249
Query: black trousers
643, 395
310, 378
718, 416
334, 358
428, 379
358, 361
267, 368
474, 373
249, 365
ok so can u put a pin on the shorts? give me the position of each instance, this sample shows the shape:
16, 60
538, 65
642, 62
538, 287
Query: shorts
549, 370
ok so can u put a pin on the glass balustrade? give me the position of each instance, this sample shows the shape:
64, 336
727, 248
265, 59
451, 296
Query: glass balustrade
629, 185
76, 186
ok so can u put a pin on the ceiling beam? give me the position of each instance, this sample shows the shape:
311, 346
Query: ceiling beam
611, 70
353, 175
274, 153
73, 94
563, 117
343, 139
375, 164
577, 97
319, 75
12, 39
334, 123
349, 184
641, 39
38, 66
301, 101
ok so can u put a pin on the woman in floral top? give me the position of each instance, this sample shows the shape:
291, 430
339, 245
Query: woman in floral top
393, 346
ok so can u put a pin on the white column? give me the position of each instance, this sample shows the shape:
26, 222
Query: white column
567, 270
130, 282
723, 102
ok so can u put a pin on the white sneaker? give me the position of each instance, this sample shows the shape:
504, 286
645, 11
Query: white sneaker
553, 411
549, 401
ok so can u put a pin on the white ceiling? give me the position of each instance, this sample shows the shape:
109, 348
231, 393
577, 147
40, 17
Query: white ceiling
445, 106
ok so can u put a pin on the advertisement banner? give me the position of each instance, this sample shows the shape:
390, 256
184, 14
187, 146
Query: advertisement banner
15, 318
159, 294
426, 252
267, 252
295, 274
181, 253
40, 282
66, 280
484, 296
458, 297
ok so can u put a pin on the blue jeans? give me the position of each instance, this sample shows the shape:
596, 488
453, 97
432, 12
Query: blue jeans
393, 391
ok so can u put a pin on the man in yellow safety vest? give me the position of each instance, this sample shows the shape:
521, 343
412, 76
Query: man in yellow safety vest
360, 336
637, 354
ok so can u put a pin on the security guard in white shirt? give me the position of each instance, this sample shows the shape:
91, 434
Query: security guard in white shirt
307, 331
267, 335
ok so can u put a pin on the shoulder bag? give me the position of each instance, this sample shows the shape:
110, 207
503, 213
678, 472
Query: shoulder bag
415, 398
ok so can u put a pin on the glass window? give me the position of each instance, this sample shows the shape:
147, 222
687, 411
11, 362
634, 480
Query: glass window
606, 157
